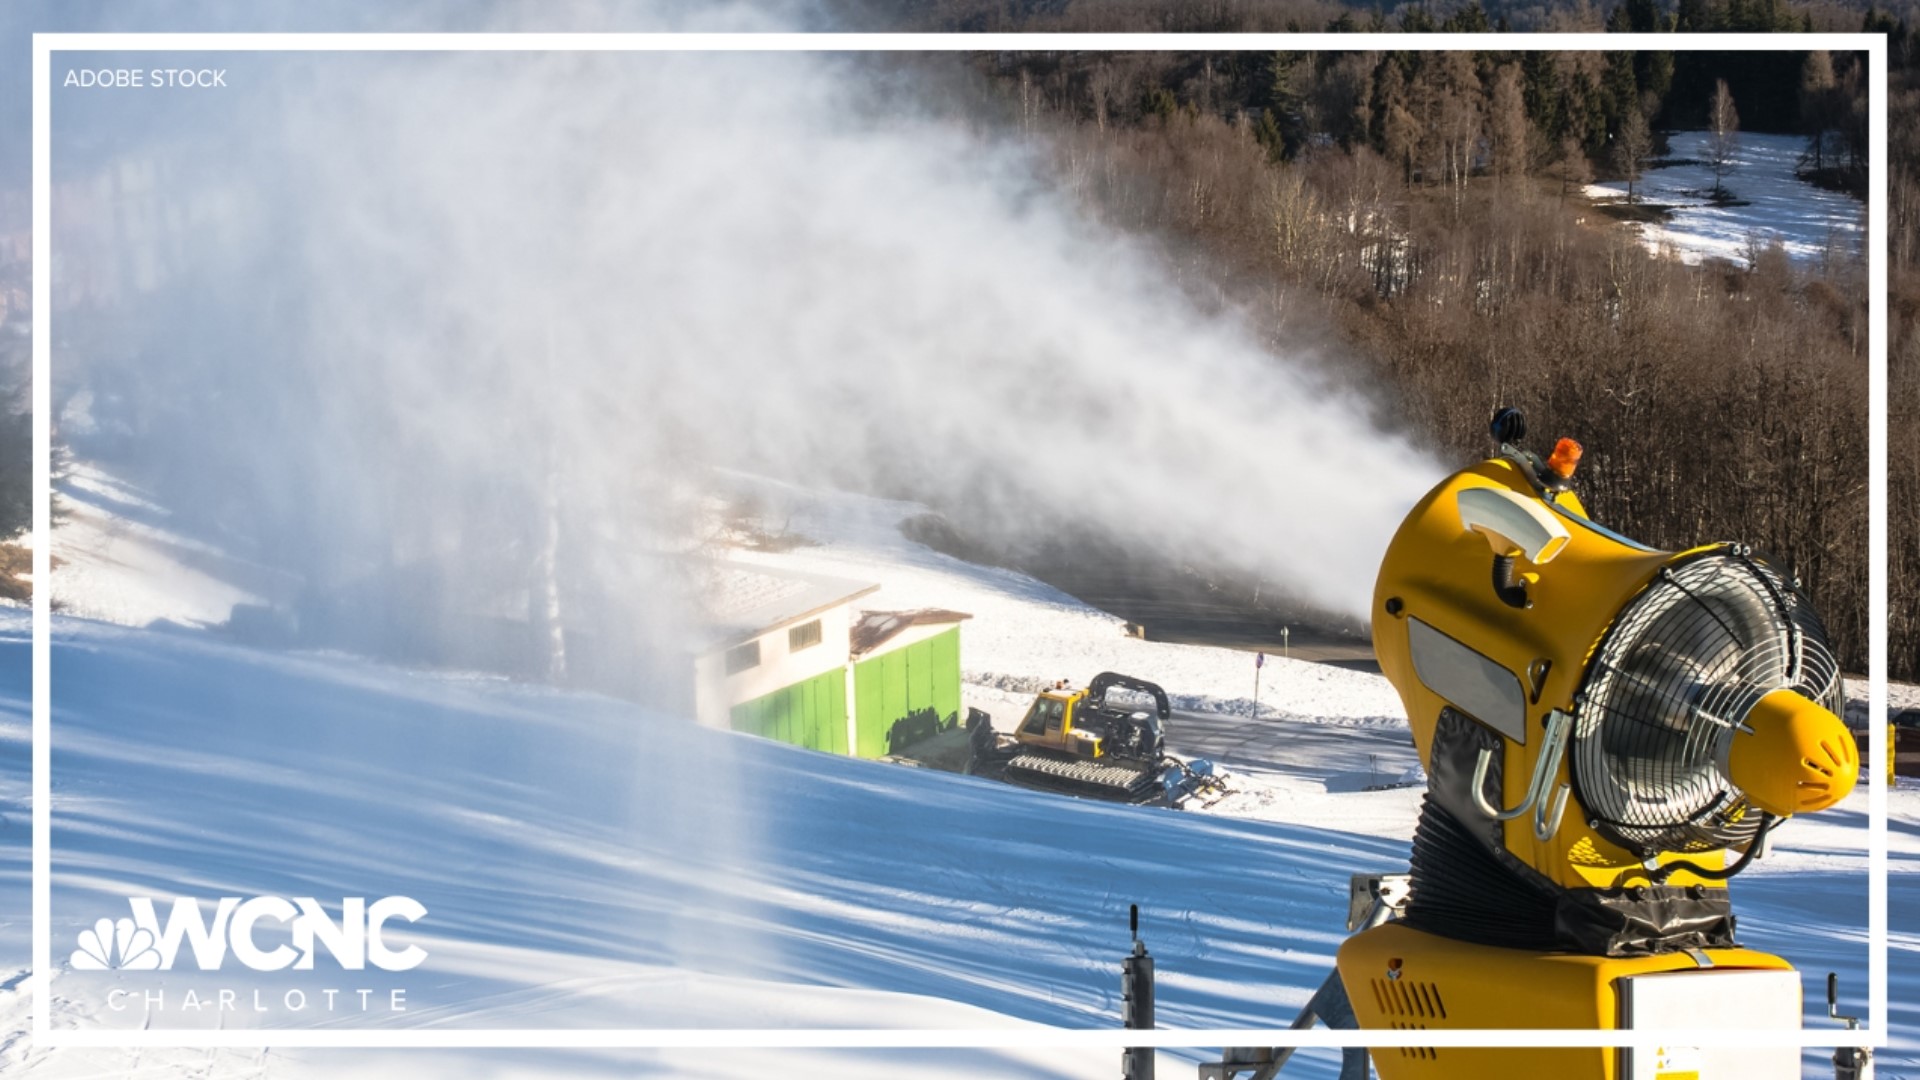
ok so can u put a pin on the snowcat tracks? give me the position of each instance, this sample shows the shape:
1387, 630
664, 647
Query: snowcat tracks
1132, 782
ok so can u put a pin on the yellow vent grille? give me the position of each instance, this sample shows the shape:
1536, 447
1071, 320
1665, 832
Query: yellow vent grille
1410, 999
1409, 1004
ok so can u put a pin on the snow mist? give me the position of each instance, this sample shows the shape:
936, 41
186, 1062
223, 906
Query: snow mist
491, 312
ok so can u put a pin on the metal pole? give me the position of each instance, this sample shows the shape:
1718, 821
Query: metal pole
1136, 1002
1849, 1062
1259, 661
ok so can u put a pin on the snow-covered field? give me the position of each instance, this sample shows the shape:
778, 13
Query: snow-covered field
588, 863
1771, 203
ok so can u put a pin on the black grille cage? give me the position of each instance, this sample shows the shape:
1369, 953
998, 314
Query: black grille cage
1671, 681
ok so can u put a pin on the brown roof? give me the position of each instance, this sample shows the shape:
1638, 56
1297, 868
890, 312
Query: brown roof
872, 629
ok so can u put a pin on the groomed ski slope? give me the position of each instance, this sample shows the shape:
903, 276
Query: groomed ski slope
587, 863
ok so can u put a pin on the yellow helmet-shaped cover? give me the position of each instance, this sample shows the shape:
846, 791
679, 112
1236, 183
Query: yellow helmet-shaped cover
1794, 757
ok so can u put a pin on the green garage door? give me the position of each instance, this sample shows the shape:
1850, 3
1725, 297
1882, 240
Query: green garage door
812, 714
917, 687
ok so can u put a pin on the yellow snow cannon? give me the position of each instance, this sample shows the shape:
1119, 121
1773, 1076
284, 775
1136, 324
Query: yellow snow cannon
1610, 732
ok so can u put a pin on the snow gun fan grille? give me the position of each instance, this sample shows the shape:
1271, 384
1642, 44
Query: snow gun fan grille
1671, 681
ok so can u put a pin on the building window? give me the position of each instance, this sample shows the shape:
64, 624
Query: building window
742, 657
804, 636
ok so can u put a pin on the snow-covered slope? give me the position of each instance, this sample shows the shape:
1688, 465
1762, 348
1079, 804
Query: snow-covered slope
585, 862
119, 558
1770, 203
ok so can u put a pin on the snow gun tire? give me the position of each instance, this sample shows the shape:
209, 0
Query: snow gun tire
1131, 782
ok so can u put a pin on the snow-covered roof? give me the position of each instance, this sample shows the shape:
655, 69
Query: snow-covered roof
875, 628
746, 601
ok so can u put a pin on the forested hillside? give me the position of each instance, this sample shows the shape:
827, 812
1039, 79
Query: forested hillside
1417, 220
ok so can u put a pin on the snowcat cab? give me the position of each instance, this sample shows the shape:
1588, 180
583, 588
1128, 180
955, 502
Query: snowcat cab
1085, 724
1092, 743
1084, 742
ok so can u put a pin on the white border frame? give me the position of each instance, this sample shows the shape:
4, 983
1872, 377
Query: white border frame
45, 45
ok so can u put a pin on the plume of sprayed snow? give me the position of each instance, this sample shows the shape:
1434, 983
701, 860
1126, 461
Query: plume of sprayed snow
438, 294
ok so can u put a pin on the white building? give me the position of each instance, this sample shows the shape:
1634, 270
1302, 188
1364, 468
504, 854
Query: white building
790, 659
777, 660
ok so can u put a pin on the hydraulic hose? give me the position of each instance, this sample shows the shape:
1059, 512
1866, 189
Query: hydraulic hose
1767, 824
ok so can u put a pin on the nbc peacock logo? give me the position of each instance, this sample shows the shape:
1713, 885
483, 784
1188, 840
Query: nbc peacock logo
115, 946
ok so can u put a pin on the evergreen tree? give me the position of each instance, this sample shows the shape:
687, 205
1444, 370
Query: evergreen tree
1643, 16
1471, 19
1589, 116
1266, 131
1540, 84
1622, 89
1653, 70
1398, 131
1290, 76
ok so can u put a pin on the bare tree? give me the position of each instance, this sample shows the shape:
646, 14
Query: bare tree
1723, 141
1631, 147
1507, 124
1816, 104
1573, 169
1103, 86
1448, 88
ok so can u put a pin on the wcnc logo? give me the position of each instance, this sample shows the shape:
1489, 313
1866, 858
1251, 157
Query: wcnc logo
141, 943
